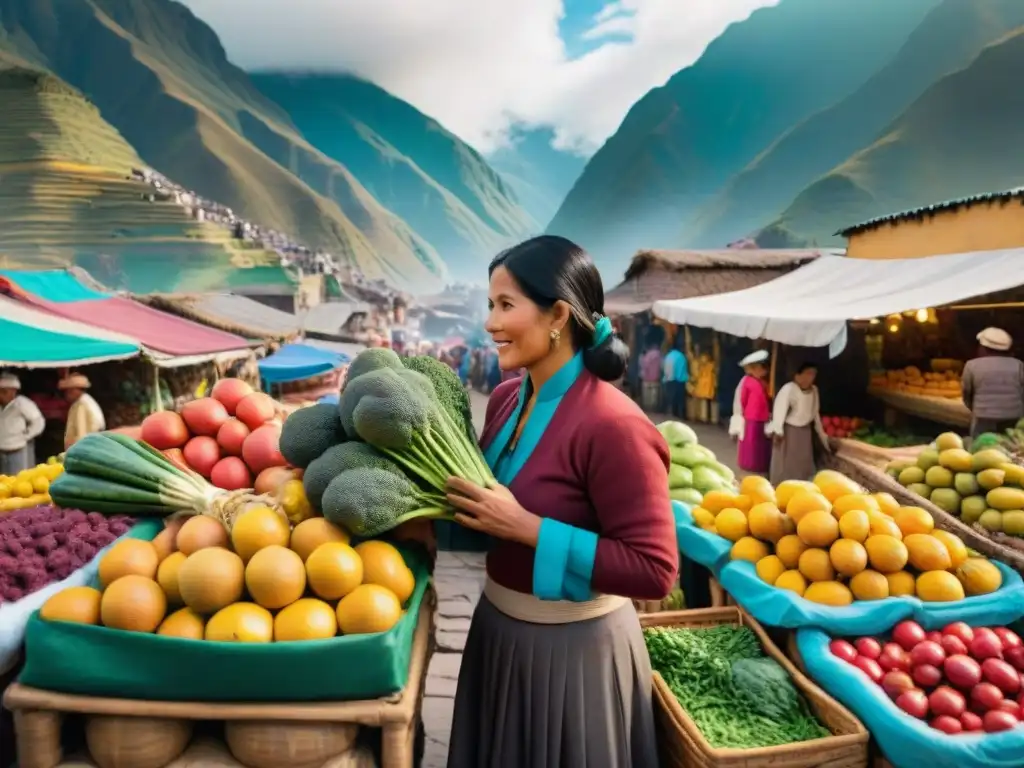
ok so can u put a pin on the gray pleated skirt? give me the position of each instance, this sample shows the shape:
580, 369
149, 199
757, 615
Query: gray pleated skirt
554, 695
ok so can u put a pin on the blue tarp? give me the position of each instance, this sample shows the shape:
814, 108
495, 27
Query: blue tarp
56, 285
294, 362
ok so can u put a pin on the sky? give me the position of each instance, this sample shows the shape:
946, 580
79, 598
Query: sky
481, 67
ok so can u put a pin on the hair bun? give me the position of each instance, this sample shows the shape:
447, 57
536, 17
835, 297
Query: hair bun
608, 360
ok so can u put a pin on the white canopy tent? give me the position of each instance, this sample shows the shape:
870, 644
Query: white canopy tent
812, 305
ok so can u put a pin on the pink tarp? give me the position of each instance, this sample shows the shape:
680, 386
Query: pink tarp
156, 330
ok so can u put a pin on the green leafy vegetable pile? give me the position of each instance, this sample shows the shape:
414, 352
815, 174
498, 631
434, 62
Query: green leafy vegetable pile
738, 697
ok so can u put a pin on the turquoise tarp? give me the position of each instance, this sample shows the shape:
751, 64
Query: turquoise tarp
54, 285
294, 362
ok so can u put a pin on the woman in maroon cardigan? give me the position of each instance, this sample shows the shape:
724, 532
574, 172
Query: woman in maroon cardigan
555, 673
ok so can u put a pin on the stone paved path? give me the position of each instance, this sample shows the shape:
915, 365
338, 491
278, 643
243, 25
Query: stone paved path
459, 579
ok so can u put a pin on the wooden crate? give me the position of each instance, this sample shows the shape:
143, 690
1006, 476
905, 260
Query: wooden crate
719, 597
39, 715
684, 746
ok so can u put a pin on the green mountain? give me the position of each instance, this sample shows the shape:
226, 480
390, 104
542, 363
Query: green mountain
947, 39
66, 198
958, 139
416, 168
540, 174
681, 143
160, 76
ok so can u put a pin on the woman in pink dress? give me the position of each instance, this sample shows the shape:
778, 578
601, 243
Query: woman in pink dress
750, 413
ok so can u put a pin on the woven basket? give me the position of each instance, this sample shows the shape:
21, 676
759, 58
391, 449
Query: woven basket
998, 546
683, 746
873, 454
263, 744
116, 741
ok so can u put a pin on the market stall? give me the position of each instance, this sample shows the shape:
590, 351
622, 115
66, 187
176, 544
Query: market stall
229, 312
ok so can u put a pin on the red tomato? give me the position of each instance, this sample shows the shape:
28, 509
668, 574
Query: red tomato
986, 644
946, 724
1015, 656
960, 630
928, 652
1008, 637
1001, 675
869, 667
914, 703
926, 675
894, 657
843, 650
953, 646
995, 721
896, 682
908, 634
986, 696
869, 647
962, 671
946, 701
970, 721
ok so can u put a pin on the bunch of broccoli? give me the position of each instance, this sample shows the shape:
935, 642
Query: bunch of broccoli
402, 429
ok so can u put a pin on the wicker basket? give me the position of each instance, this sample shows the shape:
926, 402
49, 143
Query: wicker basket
683, 746
719, 597
998, 546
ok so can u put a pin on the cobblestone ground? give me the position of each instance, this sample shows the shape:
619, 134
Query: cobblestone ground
459, 579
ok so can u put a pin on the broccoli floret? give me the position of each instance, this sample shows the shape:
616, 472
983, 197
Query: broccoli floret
308, 432
372, 359
338, 459
401, 416
450, 390
369, 501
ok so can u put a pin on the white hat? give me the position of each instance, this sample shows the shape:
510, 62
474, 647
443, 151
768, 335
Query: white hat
996, 339
9, 381
74, 381
754, 357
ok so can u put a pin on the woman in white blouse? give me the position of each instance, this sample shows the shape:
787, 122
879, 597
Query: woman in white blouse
795, 426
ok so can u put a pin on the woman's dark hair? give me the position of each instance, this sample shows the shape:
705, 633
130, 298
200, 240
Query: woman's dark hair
805, 366
551, 268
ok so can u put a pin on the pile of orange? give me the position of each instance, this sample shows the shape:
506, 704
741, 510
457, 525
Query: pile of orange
262, 582
832, 542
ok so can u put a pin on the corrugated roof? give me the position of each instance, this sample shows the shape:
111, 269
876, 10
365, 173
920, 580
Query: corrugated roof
229, 312
1017, 193
733, 258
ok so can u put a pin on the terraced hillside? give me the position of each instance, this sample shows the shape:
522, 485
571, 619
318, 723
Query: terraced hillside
959, 139
66, 199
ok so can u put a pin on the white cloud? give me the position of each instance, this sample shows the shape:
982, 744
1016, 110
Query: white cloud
479, 66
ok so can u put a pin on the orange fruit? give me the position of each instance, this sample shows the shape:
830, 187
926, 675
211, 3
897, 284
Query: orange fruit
834, 484
855, 525
257, 528
78, 604
367, 609
957, 550
803, 502
211, 579
816, 565
167, 576
886, 554
334, 570
788, 488
184, 623
201, 532
383, 564
886, 502
818, 529
275, 577
241, 623
133, 603
128, 557
789, 548
901, 583
310, 534
912, 520
852, 501
305, 619
758, 489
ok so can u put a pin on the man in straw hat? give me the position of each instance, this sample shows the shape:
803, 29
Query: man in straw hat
993, 384
21, 422
751, 412
85, 415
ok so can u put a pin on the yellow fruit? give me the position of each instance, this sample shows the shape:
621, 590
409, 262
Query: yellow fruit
979, 576
829, 593
816, 565
383, 564
702, 517
742, 502
766, 522
367, 609
818, 529
78, 604
275, 577
257, 528
133, 603
901, 584
848, 557
201, 532
715, 501
913, 520
305, 619
40, 485
869, 585
22, 489
211, 579
731, 524
939, 587
311, 533
884, 526
293, 500
770, 568
886, 553
750, 549
334, 570
184, 623
789, 548
926, 553
852, 501
167, 577
793, 581
787, 488
886, 503
834, 484
5, 491
126, 557
956, 548
804, 502
241, 623
855, 525
758, 489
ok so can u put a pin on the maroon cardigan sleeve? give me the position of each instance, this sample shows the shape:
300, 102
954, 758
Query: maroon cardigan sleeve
627, 479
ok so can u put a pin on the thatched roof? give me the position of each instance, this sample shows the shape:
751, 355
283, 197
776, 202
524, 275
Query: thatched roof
656, 275
228, 312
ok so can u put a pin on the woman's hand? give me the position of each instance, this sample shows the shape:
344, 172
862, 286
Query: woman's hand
493, 511
418, 531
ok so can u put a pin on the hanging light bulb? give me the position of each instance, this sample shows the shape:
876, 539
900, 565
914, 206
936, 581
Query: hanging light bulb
921, 315
874, 321
894, 327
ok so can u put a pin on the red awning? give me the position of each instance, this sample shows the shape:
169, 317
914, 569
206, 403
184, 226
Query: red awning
156, 330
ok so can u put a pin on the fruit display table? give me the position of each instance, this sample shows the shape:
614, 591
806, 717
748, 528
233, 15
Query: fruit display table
937, 409
329, 727
873, 454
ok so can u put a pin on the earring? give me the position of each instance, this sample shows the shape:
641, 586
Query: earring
556, 337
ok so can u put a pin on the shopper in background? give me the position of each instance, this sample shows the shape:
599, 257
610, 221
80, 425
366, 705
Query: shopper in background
21, 422
751, 412
993, 384
85, 415
650, 376
796, 429
675, 375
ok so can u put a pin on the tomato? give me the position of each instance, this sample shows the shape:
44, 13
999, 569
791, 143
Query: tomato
962, 671
960, 630
946, 701
926, 675
927, 652
995, 721
971, 721
908, 634
869, 647
1001, 675
986, 696
843, 650
913, 702
946, 724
